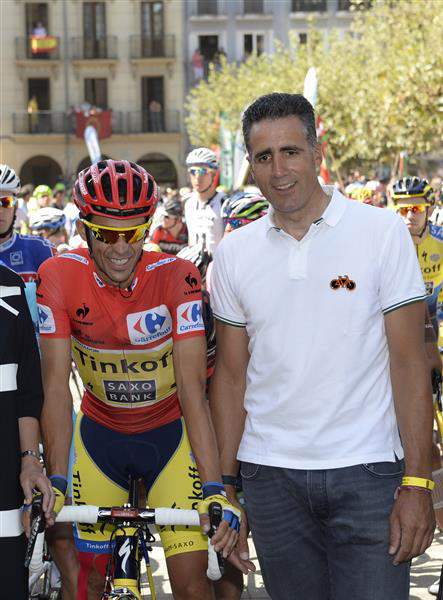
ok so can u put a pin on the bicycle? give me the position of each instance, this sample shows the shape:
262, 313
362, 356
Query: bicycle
44, 577
131, 540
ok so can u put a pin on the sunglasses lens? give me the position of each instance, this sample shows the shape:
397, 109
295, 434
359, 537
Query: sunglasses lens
109, 236
198, 171
7, 201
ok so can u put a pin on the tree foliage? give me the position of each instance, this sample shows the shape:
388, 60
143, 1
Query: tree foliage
380, 84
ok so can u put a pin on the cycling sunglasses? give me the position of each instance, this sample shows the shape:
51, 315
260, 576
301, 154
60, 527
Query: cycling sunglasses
8, 201
199, 171
110, 235
413, 208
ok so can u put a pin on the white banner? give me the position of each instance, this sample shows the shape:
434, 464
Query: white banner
91, 141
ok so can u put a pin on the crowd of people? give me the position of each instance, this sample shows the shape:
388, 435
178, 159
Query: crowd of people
324, 326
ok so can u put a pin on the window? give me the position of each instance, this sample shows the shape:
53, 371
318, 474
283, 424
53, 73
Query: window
253, 43
152, 19
308, 5
208, 45
207, 7
96, 92
152, 43
344, 4
253, 6
303, 38
153, 104
94, 30
36, 15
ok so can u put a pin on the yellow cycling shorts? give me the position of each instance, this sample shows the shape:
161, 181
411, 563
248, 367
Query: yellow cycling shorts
161, 457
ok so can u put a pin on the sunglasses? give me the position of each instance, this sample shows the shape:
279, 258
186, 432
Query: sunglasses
111, 235
8, 201
199, 171
413, 208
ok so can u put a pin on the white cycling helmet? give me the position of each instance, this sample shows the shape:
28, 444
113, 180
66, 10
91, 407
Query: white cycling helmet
202, 156
47, 218
9, 180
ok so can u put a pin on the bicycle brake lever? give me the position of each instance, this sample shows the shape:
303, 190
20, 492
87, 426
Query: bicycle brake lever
37, 526
215, 518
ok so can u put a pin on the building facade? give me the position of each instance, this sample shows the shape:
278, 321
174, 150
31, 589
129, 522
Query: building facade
238, 28
114, 64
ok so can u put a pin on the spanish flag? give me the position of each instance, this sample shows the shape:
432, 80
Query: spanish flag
42, 44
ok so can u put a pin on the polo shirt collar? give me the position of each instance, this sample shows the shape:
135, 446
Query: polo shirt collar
331, 216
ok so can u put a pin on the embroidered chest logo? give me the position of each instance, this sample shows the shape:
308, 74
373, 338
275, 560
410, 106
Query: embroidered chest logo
343, 281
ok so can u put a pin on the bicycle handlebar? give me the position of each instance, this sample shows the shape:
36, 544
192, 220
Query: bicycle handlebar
132, 516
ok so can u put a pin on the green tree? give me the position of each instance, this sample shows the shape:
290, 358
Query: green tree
380, 84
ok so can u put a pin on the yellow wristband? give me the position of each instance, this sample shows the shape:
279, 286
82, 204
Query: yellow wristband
428, 484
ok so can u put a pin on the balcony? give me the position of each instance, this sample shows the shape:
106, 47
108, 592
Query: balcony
255, 8
42, 122
162, 46
309, 6
28, 48
167, 121
85, 49
207, 9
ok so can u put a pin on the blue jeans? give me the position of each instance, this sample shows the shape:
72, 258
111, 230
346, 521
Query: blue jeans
324, 535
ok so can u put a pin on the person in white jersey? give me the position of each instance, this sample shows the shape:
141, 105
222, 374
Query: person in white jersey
203, 206
321, 387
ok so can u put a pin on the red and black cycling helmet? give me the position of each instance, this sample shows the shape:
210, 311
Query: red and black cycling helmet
115, 188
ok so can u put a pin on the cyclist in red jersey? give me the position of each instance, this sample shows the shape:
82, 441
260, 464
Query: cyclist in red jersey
172, 234
133, 323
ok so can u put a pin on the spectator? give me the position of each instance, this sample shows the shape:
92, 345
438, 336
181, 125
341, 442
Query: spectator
155, 116
321, 411
21, 395
198, 64
33, 114
172, 235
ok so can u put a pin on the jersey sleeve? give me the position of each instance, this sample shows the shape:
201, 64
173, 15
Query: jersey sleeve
156, 235
401, 281
53, 318
225, 303
185, 300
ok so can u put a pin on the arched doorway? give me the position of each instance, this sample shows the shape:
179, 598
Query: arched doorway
86, 162
161, 168
41, 169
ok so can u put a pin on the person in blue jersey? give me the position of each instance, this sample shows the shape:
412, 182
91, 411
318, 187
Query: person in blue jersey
23, 254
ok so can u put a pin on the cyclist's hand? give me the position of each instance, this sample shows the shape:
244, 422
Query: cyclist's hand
33, 478
227, 533
59, 487
412, 525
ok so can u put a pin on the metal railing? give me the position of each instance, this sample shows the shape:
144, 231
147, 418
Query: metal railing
145, 121
83, 48
308, 6
203, 8
157, 46
23, 50
43, 121
255, 7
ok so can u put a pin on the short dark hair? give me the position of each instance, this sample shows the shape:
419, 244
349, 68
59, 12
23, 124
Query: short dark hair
278, 106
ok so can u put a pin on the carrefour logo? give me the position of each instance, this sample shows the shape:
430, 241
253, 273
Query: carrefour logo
149, 325
46, 321
189, 317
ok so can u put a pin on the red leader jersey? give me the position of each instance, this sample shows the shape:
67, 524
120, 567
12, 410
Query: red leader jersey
122, 341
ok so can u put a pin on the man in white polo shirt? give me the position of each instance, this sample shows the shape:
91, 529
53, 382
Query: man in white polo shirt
321, 388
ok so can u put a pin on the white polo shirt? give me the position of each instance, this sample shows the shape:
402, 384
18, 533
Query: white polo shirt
318, 391
204, 218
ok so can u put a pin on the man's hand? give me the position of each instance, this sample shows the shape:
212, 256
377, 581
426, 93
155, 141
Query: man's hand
32, 477
239, 557
412, 524
226, 536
